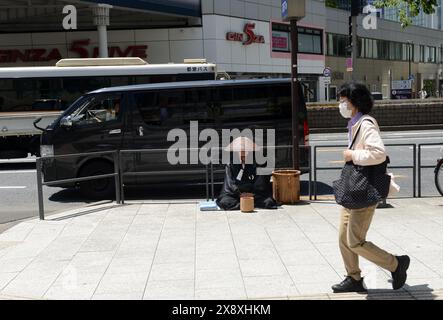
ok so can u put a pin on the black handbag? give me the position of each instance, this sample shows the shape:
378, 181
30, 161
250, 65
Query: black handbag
361, 186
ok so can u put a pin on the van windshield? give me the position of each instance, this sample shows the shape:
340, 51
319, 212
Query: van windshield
96, 109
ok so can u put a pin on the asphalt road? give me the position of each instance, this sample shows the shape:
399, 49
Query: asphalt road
18, 191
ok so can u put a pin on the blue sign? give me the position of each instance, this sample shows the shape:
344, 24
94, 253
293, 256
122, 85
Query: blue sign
284, 9
326, 72
190, 8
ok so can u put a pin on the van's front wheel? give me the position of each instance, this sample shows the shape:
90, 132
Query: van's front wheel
99, 189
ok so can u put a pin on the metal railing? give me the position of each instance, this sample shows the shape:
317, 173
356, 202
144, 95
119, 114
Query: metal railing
193, 171
209, 170
413, 167
40, 182
420, 166
120, 172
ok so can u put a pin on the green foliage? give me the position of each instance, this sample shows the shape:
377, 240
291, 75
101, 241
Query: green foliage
332, 3
407, 9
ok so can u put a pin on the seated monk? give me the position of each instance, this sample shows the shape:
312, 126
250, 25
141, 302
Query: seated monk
243, 178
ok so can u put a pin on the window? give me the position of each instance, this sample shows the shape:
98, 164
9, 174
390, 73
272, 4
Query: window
161, 108
97, 109
432, 55
422, 53
337, 45
309, 40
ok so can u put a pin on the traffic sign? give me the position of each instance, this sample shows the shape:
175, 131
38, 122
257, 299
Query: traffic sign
327, 72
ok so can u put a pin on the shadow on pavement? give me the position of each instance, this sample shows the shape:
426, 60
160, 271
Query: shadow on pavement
422, 291
169, 192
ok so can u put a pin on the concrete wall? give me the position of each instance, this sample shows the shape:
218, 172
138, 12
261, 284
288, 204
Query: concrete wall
392, 115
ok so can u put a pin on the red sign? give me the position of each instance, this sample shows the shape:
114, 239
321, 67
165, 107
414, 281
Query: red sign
79, 46
251, 37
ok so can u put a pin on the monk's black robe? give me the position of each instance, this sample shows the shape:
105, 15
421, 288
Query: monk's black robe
250, 182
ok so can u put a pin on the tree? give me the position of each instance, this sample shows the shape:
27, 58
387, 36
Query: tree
408, 9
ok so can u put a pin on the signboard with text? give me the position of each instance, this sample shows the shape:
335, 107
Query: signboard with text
280, 41
401, 89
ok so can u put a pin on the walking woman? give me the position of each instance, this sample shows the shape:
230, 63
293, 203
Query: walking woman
367, 149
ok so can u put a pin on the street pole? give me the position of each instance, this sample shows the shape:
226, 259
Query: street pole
295, 96
354, 46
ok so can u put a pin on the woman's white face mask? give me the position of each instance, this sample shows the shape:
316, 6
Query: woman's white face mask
344, 110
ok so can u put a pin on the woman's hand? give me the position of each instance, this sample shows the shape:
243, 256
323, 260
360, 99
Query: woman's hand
347, 155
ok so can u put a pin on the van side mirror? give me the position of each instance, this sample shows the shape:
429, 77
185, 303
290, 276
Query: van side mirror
66, 122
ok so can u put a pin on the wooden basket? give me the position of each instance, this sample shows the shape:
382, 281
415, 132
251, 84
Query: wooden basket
286, 186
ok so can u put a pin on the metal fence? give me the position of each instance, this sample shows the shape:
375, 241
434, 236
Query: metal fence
209, 169
413, 167
420, 166
40, 183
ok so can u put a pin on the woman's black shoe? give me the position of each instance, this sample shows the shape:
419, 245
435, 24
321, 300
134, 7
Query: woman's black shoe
349, 285
399, 276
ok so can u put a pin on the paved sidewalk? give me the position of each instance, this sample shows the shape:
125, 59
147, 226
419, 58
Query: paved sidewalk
171, 250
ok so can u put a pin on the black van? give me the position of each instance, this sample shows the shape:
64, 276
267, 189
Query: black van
140, 117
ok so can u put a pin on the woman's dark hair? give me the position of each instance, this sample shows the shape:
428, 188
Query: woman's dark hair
358, 94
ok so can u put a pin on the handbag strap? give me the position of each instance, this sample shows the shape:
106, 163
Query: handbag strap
355, 137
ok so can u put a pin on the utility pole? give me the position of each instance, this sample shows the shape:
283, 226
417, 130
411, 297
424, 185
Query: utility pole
355, 8
294, 10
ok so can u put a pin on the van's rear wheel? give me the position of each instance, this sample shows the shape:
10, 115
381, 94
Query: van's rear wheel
99, 189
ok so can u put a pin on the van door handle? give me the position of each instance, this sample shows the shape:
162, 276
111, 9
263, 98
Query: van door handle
115, 131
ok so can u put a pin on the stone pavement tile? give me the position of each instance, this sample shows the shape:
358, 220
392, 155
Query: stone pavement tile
5, 278
302, 257
63, 247
126, 264
169, 290
255, 252
229, 293
80, 292
323, 296
420, 270
32, 283
91, 262
205, 247
101, 244
314, 288
153, 209
313, 274
18, 232
14, 264
218, 278
175, 255
113, 283
172, 271
118, 296
264, 267
216, 260
269, 287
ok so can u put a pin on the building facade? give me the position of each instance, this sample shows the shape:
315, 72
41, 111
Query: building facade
245, 38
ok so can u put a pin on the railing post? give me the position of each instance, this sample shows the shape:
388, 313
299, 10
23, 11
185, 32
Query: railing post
117, 177
212, 181
414, 170
419, 171
41, 209
310, 171
315, 173
122, 176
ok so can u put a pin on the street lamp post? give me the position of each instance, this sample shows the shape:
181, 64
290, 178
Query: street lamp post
294, 10
409, 57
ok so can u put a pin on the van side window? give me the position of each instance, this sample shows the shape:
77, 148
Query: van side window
162, 107
98, 109
248, 104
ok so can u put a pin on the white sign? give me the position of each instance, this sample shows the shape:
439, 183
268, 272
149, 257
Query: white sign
401, 84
